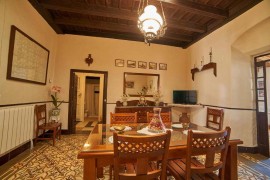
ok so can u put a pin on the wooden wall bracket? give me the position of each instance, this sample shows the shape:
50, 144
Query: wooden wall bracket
205, 67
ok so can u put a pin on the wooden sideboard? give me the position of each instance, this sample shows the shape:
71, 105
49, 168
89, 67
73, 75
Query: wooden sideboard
141, 110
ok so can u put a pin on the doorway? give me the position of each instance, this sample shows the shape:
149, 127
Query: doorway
262, 76
87, 100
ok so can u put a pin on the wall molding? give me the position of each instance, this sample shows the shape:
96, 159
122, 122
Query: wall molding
20, 104
231, 108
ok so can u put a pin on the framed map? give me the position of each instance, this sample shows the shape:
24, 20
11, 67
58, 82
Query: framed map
27, 59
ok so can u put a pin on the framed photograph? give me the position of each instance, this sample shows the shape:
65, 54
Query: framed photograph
162, 66
260, 95
142, 64
261, 107
27, 59
131, 63
129, 84
152, 65
260, 72
119, 62
260, 83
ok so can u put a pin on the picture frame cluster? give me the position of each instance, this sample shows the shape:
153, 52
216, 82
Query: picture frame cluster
140, 64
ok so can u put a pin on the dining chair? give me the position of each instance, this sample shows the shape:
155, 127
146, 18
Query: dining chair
213, 146
123, 118
165, 116
135, 157
50, 130
214, 119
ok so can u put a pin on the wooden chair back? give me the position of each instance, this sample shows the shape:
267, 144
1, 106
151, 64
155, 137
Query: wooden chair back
214, 119
123, 118
208, 144
141, 150
165, 116
41, 114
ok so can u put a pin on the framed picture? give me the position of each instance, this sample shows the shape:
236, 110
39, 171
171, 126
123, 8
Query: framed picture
27, 59
129, 84
261, 107
119, 62
152, 65
260, 83
162, 66
260, 72
131, 63
261, 95
142, 64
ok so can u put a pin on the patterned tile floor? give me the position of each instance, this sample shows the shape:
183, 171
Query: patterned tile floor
60, 162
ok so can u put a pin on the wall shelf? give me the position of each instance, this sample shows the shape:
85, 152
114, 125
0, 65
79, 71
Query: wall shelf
205, 67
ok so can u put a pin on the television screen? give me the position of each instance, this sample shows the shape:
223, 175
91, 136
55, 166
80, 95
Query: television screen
185, 97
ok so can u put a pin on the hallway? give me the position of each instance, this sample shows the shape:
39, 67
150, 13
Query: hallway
86, 126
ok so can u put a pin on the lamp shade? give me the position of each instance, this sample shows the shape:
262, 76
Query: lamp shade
150, 22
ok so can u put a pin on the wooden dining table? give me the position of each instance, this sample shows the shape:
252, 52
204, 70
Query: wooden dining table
97, 151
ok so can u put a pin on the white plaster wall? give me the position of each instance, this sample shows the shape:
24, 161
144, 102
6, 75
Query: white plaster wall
23, 15
233, 86
72, 50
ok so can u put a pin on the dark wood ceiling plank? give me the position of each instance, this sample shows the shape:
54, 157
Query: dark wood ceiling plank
119, 4
121, 14
234, 12
46, 15
98, 25
128, 37
116, 27
173, 12
200, 9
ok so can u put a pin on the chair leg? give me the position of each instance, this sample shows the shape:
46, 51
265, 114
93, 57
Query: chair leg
54, 135
60, 131
111, 169
36, 136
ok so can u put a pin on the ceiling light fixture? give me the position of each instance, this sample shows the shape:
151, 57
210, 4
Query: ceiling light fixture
150, 23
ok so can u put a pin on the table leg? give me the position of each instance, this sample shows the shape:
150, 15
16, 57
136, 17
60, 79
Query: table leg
89, 169
100, 172
231, 172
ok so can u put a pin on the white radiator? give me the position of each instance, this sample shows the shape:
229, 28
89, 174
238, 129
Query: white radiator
16, 127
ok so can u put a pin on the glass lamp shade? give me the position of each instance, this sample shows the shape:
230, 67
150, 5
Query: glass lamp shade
150, 21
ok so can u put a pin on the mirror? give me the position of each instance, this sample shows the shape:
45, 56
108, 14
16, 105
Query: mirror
137, 83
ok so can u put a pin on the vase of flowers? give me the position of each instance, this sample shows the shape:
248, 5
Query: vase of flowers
54, 91
157, 97
124, 99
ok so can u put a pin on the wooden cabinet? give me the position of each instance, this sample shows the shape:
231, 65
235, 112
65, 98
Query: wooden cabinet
141, 110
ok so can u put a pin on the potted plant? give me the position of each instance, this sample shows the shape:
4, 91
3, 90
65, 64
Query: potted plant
55, 90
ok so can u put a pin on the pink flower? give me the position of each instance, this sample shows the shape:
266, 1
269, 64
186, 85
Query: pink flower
56, 89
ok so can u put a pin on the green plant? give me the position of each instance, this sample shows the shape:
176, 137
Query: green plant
55, 90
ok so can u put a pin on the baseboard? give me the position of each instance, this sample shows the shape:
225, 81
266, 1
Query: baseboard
65, 132
12, 154
243, 149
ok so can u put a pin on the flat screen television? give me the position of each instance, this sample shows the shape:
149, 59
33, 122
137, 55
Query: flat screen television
185, 97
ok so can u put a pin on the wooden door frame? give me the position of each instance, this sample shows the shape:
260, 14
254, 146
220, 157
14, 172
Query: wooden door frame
262, 117
71, 123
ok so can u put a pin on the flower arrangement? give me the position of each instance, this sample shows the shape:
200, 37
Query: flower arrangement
143, 91
55, 90
157, 96
124, 97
